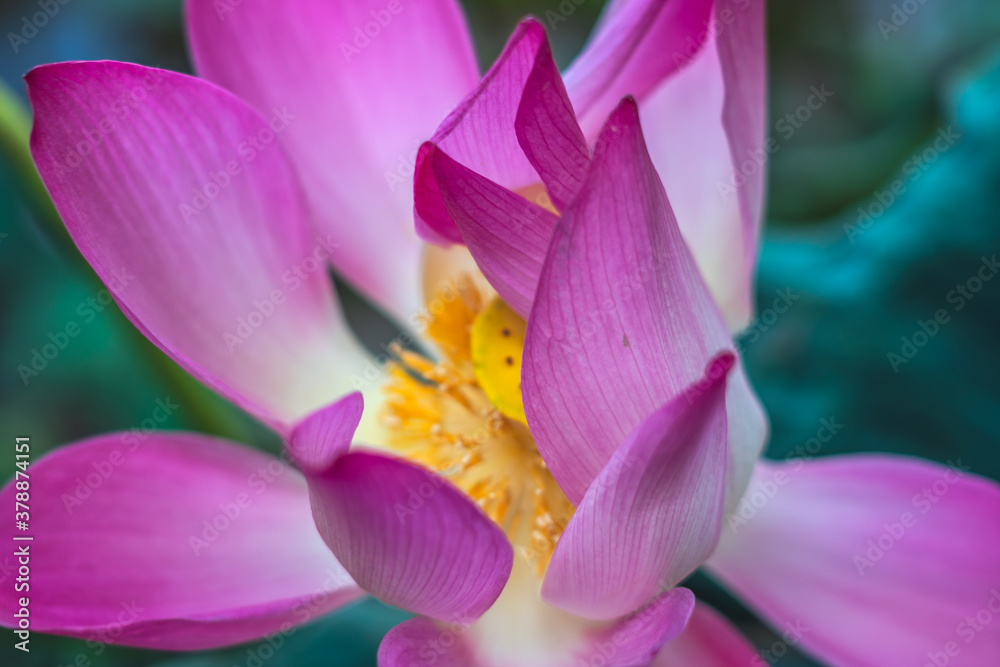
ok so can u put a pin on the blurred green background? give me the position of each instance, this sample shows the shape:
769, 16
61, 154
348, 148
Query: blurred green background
865, 270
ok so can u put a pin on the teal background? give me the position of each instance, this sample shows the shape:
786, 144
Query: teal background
859, 290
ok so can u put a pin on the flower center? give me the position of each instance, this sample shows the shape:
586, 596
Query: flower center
463, 416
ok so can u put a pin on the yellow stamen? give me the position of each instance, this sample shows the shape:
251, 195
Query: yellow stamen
463, 416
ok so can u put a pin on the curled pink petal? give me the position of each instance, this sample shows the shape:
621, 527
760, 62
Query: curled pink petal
320, 438
506, 234
424, 641
170, 541
653, 513
548, 132
480, 133
622, 321
409, 537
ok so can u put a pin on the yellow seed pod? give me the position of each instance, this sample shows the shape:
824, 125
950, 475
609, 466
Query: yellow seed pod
497, 345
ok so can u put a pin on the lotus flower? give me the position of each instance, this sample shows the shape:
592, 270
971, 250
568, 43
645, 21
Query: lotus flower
584, 436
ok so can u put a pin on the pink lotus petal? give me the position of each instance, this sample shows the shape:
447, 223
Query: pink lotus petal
654, 512
631, 641
701, 94
706, 128
742, 56
635, 639
170, 541
409, 537
319, 439
367, 82
548, 133
622, 322
689, 147
433, 221
480, 133
506, 234
870, 560
637, 44
422, 641
201, 238
709, 640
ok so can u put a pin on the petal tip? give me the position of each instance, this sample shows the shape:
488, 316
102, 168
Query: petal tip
433, 223
530, 23
627, 111
721, 364
715, 377
319, 439
37, 78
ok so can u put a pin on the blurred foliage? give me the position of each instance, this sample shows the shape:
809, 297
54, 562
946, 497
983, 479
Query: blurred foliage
862, 286
871, 286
